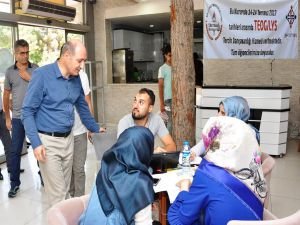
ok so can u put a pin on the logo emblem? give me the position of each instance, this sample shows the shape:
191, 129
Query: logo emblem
291, 17
213, 22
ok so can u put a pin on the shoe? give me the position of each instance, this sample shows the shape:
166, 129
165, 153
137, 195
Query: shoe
21, 171
13, 192
1, 176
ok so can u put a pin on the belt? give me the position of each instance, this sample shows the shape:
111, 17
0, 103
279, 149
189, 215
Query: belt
55, 134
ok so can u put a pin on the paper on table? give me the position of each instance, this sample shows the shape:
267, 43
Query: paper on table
168, 182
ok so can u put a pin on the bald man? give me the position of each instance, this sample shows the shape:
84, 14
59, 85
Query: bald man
48, 117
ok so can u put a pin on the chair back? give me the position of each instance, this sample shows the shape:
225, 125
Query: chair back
268, 164
293, 219
67, 212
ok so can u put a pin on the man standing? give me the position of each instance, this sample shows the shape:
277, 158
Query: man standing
77, 186
48, 117
142, 115
165, 85
4, 136
16, 81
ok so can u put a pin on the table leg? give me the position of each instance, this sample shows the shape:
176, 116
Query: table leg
163, 200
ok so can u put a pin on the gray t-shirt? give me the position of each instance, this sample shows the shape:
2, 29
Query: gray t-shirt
18, 86
155, 124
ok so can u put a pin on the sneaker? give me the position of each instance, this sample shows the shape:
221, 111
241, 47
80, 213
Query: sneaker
13, 192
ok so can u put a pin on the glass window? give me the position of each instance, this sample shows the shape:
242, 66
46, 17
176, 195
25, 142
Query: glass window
5, 6
79, 12
44, 43
78, 36
6, 60
6, 49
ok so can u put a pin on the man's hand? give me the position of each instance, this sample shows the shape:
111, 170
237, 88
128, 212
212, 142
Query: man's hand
90, 137
8, 123
40, 153
159, 150
23, 73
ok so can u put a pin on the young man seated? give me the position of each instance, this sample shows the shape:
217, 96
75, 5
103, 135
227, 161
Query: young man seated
142, 115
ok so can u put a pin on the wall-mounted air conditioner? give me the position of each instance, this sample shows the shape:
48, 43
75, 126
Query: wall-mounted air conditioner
48, 9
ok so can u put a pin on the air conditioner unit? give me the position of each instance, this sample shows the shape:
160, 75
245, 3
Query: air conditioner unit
48, 9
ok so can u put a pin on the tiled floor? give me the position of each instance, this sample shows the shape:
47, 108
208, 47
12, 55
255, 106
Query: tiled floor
30, 205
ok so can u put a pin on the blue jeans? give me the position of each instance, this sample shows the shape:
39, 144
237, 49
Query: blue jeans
18, 135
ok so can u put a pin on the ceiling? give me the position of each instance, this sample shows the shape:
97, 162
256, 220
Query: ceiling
142, 23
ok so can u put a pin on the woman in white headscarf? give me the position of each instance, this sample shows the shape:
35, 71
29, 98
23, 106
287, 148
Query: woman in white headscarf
229, 183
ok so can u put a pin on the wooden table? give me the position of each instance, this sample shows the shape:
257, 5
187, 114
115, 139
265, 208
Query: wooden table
163, 207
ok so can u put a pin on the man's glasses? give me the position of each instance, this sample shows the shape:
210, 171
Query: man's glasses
23, 53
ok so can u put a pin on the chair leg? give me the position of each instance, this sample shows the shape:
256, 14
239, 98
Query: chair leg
299, 146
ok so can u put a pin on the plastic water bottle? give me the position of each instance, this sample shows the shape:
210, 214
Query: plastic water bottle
186, 154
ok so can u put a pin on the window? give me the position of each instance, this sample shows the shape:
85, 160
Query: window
6, 49
79, 10
5, 6
44, 43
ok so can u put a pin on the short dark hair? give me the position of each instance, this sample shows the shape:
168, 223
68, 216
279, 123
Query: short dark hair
21, 43
166, 49
148, 92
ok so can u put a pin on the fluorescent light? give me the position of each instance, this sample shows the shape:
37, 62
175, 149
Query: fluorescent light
151, 25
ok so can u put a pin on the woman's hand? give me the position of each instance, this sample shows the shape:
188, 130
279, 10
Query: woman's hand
184, 184
193, 156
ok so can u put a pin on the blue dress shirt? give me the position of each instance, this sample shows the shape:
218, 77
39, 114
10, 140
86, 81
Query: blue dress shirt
49, 104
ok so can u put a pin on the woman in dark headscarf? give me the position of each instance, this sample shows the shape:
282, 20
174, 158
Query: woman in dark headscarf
124, 188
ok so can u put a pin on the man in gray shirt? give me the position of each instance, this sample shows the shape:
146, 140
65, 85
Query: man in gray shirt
16, 81
142, 115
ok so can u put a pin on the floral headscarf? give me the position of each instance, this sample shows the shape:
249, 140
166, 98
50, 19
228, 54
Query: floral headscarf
230, 144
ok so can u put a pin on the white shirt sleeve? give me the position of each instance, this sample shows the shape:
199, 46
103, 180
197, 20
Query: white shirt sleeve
84, 82
144, 216
199, 148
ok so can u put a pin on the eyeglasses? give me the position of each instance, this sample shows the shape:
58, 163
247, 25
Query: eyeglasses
23, 53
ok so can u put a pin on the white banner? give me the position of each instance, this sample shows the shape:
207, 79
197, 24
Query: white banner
250, 29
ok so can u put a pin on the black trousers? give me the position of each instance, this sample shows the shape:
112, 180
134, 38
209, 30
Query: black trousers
5, 138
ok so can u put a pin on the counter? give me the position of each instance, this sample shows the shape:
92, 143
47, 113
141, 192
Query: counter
269, 111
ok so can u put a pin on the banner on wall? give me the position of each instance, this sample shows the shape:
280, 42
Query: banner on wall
256, 29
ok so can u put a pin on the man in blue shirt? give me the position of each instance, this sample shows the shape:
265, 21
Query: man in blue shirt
48, 117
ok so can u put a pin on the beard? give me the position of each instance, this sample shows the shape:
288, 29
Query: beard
138, 117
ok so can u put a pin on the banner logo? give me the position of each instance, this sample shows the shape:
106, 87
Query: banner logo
291, 17
213, 22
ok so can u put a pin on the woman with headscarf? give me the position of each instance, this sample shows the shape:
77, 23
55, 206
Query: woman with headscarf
234, 106
228, 184
124, 188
